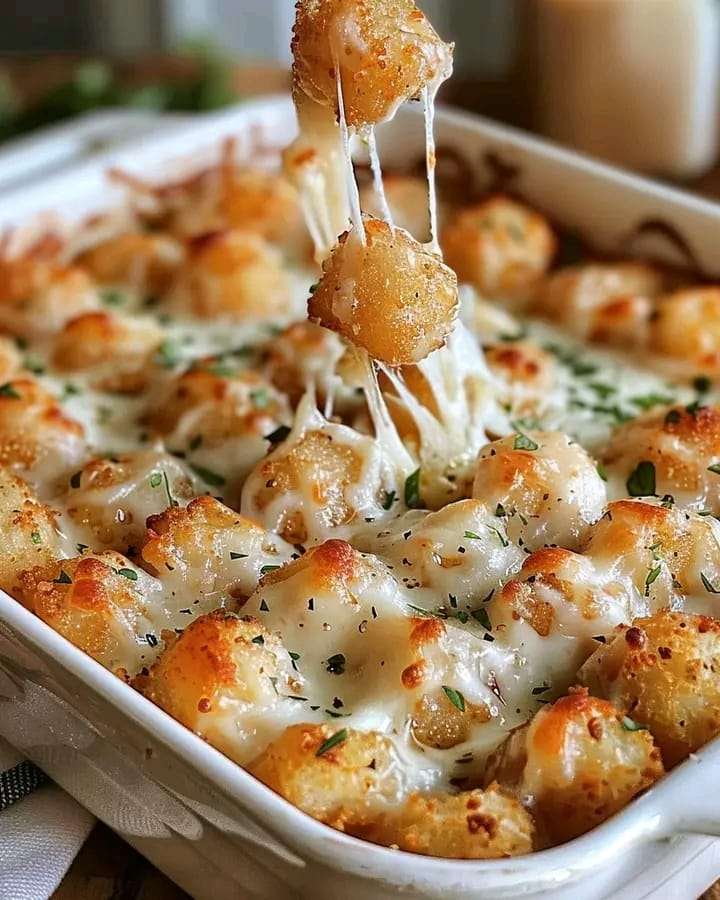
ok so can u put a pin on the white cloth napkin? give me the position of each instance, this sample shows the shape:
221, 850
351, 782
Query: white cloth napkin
40, 835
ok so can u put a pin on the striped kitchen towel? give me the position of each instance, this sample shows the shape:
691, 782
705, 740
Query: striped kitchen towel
41, 829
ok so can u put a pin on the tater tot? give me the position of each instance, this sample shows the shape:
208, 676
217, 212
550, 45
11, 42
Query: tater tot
387, 52
390, 295
407, 197
30, 536
608, 302
344, 785
686, 325
662, 550
208, 549
235, 274
112, 497
487, 824
228, 680
103, 604
576, 763
554, 612
664, 672
669, 452
145, 262
499, 246
36, 437
38, 295
544, 487
528, 373
321, 481
116, 351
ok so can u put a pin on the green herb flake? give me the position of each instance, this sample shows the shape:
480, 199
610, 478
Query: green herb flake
338, 738
412, 490
260, 398
130, 574
500, 536
472, 536
168, 354
641, 482
455, 697
708, 585
714, 468
112, 297
35, 537
266, 569
259, 639
652, 576
648, 401
481, 616
208, 476
7, 390
523, 442
600, 468
500, 511
171, 500
702, 384
234, 555
156, 479
63, 578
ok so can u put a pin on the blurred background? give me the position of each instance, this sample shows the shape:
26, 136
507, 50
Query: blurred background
631, 81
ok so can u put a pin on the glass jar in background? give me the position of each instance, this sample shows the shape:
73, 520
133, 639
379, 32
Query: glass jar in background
634, 82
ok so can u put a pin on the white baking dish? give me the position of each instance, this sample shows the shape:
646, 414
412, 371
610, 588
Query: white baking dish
203, 820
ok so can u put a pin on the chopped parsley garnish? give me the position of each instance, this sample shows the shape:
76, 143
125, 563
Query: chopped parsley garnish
631, 725
388, 499
541, 689
652, 576
641, 482
35, 537
258, 639
600, 468
171, 500
81, 548
130, 574
501, 537
234, 555
63, 578
481, 616
7, 390
265, 569
151, 639
259, 398
602, 390
702, 384
168, 354
673, 417
647, 401
455, 697
714, 468
472, 536
208, 476
412, 490
112, 297
156, 479
294, 657
34, 365
500, 511
336, 664
338, 738
523, 442
70, 390
279, 435
708, 585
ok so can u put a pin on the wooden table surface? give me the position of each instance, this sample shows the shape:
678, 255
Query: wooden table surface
107, 868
